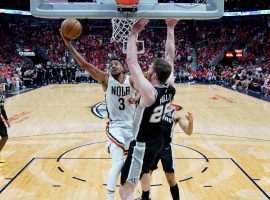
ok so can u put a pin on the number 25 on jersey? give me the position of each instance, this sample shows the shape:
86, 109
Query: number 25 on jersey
158, 112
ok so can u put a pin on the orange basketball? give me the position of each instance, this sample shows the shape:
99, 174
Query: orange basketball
127, 2
71, 28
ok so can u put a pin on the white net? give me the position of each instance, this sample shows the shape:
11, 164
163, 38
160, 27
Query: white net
122, 28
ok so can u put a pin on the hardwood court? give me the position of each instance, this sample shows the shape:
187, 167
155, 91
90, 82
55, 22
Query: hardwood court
56, 146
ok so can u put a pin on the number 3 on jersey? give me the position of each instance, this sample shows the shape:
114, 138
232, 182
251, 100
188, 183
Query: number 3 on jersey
121, 103
158, 113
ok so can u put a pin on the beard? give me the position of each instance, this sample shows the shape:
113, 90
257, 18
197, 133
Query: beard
116, 76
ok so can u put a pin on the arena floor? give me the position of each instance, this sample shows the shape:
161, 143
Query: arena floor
56, 146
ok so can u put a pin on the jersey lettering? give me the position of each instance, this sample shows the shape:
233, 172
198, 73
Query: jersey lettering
166, 98
167, 119
120, 91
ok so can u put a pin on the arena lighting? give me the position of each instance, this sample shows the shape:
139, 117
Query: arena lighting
226, 14
229, 54
239, 53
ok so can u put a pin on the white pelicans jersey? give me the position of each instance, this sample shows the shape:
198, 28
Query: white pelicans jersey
120, 112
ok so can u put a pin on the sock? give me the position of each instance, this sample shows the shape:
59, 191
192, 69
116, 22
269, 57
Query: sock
145, 195
110, 195
175, 192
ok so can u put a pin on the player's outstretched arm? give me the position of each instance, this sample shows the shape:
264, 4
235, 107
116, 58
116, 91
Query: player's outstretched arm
170, 46
145, 88
185, 122
91, 69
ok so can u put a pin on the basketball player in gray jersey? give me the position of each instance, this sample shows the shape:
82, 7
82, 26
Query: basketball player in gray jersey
119, 89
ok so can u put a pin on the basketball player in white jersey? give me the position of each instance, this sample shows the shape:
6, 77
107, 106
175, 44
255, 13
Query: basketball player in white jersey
119, 89
156, 92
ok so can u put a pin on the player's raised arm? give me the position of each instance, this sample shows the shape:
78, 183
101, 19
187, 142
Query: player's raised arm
145, 88
185, 122
91, 69
170, 47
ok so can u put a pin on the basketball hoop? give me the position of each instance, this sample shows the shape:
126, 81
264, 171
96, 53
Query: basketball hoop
122, 28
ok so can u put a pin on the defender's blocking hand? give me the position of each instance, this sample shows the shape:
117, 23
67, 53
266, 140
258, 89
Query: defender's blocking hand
171, 22
139, 26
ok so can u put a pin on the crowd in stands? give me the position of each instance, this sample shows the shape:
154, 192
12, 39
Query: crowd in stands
15, 4
10, 62
246, 78
212, 42
95, 46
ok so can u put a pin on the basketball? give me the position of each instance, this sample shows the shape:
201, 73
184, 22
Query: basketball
71, 28
127, 2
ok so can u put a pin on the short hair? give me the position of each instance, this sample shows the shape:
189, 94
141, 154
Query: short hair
163, 69
117, 60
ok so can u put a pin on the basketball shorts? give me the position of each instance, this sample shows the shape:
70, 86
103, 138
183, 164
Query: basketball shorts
120, 136
166, 157
3, 130
141, 156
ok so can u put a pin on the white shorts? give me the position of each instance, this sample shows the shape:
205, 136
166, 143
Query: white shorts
119, 136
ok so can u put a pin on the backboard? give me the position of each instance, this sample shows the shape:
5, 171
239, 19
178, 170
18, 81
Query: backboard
107, 9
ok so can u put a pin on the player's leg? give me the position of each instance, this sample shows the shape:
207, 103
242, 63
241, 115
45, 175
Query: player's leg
3, 142
127, 191
145, 184
168, 164
117, 155
127, 186
173, 185
115, 148
150, 161
131, 171
4, 138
